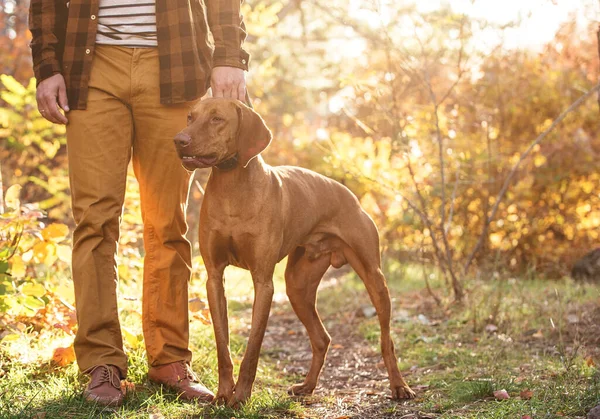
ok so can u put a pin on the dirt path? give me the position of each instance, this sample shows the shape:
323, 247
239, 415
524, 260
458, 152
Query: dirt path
354, 382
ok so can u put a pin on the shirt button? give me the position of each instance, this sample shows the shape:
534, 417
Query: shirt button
243, 61
93, 17
87, 51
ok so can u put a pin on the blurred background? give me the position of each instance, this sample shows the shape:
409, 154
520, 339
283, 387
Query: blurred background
422, 109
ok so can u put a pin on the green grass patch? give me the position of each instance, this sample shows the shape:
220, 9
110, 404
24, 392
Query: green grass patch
450, 354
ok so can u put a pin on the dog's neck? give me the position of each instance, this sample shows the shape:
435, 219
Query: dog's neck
239, 178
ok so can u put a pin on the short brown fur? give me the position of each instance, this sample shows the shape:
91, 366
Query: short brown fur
255, 215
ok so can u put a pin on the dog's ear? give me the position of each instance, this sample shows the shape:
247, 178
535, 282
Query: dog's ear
253, 136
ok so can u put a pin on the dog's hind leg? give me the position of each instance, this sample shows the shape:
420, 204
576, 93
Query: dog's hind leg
302, 278
368, 268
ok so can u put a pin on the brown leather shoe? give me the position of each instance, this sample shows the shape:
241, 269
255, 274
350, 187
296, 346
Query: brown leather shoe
104, 386
180, 377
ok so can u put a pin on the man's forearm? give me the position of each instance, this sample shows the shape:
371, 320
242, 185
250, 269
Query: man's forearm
47, 23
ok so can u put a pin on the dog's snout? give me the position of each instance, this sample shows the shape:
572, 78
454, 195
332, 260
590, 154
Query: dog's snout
182, 140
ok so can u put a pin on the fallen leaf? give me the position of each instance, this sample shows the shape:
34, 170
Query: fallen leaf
525, 417
129, 387
196, 304
526, 394
203, 316
63, 356
501, 395
131, 338
337, 346
589, 361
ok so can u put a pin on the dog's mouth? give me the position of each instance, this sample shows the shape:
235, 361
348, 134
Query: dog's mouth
199, 161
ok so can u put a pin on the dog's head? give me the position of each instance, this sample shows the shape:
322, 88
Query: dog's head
219, 129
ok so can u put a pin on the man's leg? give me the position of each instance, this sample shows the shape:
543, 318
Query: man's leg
99, 141
164, 186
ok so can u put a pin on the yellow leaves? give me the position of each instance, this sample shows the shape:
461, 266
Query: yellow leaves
55, 232
33, 303
65, 292
33, 290
261, 17
63, 252
496, 239
44, 253
11, 337
12, 197
17, 267
133, 340
587, 186
583, 209
539, 160
13, 85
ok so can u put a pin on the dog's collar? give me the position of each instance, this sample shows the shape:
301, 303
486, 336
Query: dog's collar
229, 164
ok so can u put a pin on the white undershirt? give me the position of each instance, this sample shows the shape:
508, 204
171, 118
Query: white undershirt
128, 23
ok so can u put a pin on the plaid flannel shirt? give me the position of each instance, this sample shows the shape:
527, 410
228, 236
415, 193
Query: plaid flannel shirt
64, 36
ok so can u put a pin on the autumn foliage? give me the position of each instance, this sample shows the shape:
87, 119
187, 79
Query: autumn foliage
423, 125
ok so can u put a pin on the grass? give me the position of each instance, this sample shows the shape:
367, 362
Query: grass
450, 355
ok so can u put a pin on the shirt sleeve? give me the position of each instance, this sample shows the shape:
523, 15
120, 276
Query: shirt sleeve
47, 23
229, 32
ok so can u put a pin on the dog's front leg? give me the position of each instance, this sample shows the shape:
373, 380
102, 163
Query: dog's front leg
263, 296
218, 311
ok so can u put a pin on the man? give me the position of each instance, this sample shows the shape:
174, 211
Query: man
125, 73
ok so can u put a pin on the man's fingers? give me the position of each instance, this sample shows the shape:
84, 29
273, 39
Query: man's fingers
217, 91
48, 92
52, 113
62, 98
43, 108
241, 92
230, 93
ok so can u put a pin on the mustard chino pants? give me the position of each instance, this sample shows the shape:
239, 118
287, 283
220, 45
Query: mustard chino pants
124, 120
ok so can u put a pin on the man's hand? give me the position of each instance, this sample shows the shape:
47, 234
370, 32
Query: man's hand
228, 82
48, 92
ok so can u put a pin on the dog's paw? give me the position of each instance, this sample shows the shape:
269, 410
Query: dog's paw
303, 389
223, 396
238, 399
402, 392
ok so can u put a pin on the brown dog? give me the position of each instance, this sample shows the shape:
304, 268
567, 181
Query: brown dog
254, 215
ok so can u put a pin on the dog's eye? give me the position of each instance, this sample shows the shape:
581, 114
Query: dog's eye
216, 119
189, 118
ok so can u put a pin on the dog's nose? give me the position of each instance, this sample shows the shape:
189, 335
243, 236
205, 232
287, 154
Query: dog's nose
182, 140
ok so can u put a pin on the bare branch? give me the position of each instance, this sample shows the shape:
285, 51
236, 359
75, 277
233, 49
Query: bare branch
453, 198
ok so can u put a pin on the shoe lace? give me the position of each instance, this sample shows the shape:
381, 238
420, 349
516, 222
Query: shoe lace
107, 375
189, 373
